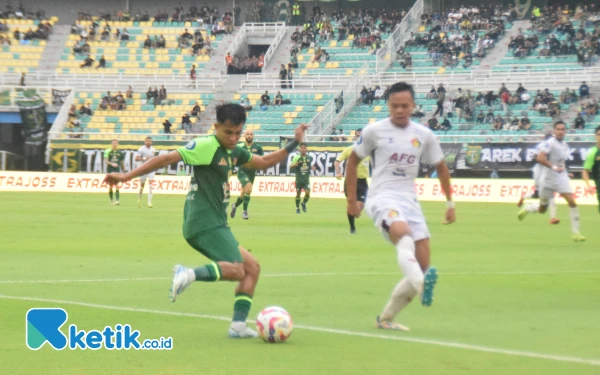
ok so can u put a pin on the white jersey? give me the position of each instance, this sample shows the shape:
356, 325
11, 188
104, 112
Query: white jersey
558, 154
395, 156
146, 153
537, 168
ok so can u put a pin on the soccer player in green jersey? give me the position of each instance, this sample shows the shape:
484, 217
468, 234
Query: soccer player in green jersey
204, 215
592, 165
302, 164
362, 186
113, 157
246, 176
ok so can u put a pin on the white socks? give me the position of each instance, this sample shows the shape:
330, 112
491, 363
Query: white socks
149, 194
401, 297
574, 211
552, 205
532, 208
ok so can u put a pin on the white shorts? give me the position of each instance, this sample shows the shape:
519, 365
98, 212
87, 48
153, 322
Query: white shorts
149, 176
561, 185
386, 211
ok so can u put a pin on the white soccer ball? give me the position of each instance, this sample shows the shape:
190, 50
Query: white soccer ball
274, 325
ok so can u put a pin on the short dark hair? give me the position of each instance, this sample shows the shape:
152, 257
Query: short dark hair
302, 144
559, 122
147, 138
232, 112
597, 129
358, 130
401, 87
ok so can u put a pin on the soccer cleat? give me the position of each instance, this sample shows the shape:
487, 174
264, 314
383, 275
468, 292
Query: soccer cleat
139, 203
577, 237
522, 214
242, 333
297, 210
245, 215
387, 324
303, 206
117, 203
429, 282
112, 203
233, 208
554, 221
149, 205
181, 281
520, 202
352, 231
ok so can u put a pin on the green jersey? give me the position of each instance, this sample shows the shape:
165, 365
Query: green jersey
208, 195
253, 149
592, 163
114, 157
303, 168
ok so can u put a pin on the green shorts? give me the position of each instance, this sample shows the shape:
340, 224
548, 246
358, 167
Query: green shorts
110, 169
218, 245
303, 186
244, 179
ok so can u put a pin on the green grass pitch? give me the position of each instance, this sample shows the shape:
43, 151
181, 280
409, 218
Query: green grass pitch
512, 297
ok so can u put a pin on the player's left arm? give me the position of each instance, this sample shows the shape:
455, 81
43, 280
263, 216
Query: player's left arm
151, 166
274, 158
433, 155
587, 168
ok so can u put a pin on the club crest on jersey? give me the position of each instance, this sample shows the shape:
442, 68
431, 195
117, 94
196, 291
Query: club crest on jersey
416, 143
190, 145
223, 162
392, 214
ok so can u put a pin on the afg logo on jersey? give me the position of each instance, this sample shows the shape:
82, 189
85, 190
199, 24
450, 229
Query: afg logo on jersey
416, 143
43, 325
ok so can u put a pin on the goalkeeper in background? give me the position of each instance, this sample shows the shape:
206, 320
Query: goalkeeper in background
113, 157
592, 165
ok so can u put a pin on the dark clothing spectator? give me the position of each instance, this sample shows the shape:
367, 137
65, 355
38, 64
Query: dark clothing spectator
579, 122
167, 127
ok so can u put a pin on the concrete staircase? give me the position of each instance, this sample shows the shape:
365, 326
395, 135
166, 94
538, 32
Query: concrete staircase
54, 48
223, 95
282, 53
216, 62
491, 60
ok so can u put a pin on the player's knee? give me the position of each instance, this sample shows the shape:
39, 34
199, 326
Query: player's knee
248, 189
397, 230
252, 268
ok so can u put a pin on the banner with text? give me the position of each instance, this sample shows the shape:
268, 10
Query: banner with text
464, 190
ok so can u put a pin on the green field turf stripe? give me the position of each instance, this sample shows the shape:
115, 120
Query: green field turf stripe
448, 344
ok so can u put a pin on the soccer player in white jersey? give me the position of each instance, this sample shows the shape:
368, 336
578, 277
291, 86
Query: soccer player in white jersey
145, 153
397, 146
537, 174
553, 156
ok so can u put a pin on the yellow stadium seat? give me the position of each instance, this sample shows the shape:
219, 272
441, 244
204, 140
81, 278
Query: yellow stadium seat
349, 72
372, 120
319, 108
299, 108
288, 121
377, 108
318, 96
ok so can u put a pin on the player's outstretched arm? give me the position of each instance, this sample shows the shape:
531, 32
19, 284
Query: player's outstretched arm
274, 158
351, 178
151, 166
444, 177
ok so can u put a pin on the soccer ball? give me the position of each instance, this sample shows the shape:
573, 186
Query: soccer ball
274, 325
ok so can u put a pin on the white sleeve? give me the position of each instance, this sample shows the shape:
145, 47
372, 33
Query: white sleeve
366, 143
545, 147
432, 150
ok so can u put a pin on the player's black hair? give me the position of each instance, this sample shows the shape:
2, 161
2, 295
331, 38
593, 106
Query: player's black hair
231, 112
302, 144
358, 130
401, 87
147, 138
558, 123
597, 129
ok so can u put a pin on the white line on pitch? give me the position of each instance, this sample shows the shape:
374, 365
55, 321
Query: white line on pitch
307, 274
449, 344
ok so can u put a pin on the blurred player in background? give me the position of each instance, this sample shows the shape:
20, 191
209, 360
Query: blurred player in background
397, 147
592, 166
145, 153
302, 163
362, 185
113, 157
553, 156
537, 174
246, 176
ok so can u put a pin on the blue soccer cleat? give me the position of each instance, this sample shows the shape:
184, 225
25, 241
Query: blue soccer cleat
181, 280
429, 282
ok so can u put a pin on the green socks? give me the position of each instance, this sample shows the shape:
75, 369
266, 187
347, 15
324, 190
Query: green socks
117, 194
239, 201
297, 202
246, 201
210, 272
306, 198
241, 307
110, 194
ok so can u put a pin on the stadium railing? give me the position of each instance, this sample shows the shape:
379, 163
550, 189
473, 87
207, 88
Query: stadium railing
10, 94
253, 29
60, 122
281, 31
387, 53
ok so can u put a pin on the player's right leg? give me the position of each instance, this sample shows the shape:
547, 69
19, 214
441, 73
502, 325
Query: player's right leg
247, 193
243, 179
306, 197
141, 191
110, 194
298, 193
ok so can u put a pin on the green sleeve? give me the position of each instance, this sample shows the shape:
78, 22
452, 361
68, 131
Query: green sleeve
200, 151
590, 159
121, 156
106, 153
344, 155
295, 158
242, 155
260, 150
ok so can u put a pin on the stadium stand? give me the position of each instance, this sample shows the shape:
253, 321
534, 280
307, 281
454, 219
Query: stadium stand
104, 112
23, 42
